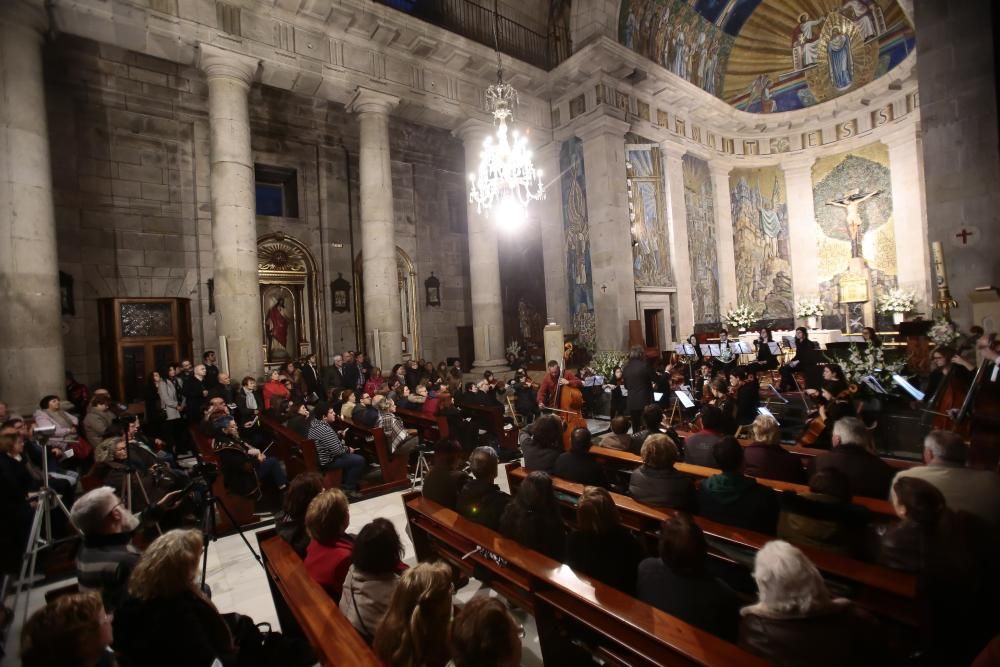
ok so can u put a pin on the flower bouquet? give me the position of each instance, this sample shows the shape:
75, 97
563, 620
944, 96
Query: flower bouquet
741, 317
897, 302
811, 309
943, 332
860, 363
605, 363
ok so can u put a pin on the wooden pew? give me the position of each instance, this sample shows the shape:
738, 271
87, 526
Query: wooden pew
395, 470
882, 510
241, 507
431, 427
305, 609
611, 625
492, 421
298, 453
888, 593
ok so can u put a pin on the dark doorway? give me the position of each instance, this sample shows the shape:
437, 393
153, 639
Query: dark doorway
652, 323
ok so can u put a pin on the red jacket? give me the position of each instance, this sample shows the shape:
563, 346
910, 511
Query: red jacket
547, 393
328, 565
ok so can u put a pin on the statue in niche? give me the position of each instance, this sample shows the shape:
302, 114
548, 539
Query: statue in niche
279, 325
841, 62
850, 203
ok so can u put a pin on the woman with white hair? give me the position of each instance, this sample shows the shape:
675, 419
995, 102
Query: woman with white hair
797, 622
766, 458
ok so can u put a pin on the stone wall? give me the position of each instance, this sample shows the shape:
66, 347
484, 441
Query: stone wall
129, 144
958, 111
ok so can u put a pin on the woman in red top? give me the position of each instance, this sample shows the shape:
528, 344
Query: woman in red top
274, 387
375, 383
328, 556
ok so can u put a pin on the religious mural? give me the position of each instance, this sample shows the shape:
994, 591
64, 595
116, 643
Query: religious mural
766, 56
852, 198
651, 247
760, 240
577, 229
699, 200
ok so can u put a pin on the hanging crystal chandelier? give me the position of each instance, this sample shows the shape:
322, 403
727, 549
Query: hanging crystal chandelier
506, 176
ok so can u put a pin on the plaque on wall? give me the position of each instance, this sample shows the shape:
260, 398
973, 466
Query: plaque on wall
853, 288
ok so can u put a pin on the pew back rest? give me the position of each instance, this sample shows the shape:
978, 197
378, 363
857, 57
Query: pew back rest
491, 417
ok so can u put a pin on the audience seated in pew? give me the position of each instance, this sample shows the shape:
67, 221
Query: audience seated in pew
299, 417
825, 517
766, 458
111, 468
698, 446
328, 556
480, 499
577, 465
290, 522
601, 547
372, 578
652, 418
331, 450
618, 438
656, 482
445, 480
544, 445
416, 628
678, 580
366, 410
73, 630
733, 498
852, 454
484, 634
796, 622
532, 517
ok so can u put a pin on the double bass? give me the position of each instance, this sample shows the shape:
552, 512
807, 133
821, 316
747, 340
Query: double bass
569, 402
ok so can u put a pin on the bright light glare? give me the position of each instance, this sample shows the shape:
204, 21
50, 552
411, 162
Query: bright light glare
509, 214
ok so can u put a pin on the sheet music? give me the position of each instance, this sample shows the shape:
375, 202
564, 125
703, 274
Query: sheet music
764, 411
684, 398
624, 391
774, 347
657, 395
778, 393
706, 350
715, 349
906, 386
745, 347
875, 385
788, 341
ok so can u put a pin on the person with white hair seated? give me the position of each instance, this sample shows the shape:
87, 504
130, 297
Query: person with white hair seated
797, 622
106, 558
853, 455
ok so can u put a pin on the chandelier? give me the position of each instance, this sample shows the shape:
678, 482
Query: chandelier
506, 176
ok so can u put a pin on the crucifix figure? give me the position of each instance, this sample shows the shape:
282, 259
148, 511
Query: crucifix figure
850, 202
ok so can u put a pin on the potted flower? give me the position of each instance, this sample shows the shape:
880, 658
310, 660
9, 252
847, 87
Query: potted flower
943, 332
897, 302
741, 317
811, 309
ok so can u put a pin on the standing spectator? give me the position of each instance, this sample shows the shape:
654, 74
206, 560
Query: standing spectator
15, 511
312, 377
195, 393
544, 445
445, 480
602, 547
480, 499
577, 465
328, 556
249, 402
211, 378
154, 412
172, 402
484, 634
733, 498
638, 380
532, 517
415, 629
73, 630
333, 376
373, 576
867, 474
766, 458
656, 482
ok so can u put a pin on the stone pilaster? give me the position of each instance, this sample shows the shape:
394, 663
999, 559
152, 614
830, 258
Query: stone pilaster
909, 212
553, 235
484, 260
383, 317
802, 227
728, 294
234, 218
673, 183
610, 236
31, 343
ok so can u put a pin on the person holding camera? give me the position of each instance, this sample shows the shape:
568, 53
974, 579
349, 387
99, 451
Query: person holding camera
242, 464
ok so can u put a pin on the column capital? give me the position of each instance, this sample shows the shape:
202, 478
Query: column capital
29, 14
219, 63
798, 165
720, 169
602, 125
369, 100
672, 150
472, 131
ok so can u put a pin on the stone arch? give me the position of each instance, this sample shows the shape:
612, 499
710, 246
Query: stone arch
286, 268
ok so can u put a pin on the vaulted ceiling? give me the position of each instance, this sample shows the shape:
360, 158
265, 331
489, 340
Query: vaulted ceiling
766, 56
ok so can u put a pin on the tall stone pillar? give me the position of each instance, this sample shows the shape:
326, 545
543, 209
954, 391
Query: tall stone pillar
553, 235
484, 262
802, 227
234, 216
728, 293
610, 234
31, 346
909, 212
383, 317
673, 170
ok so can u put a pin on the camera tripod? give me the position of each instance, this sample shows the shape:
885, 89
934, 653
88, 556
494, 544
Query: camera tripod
209, 530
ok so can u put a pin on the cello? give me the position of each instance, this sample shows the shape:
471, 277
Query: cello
569, 400
980, 414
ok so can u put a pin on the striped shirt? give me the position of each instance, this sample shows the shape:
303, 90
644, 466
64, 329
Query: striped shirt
328, 443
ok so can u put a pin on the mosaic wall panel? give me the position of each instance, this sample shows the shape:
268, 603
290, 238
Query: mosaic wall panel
852, 198
698, 198
760, 240
577, 230
651, 249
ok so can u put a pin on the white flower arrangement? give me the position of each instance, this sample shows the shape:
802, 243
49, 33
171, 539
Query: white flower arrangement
514, 348
605, 363
812, 307
897, 300
860, 363
741, 317
943, 332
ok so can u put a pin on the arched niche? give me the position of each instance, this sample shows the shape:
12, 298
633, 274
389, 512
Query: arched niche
406, 276
289, 299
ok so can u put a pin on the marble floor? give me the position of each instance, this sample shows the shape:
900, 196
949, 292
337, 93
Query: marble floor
239, 584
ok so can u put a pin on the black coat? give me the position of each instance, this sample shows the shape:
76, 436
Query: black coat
333, 378
483, 502
580, 468
611, 558
867, 474
697, 599
243, 413
194, 398
639, 383
313, 380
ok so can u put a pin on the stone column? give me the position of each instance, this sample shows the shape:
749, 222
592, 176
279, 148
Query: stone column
31, 345
728, 293
909, 212
610, 234
234, 216
378, 227
673, 182
553, 235
484, 261
802, 227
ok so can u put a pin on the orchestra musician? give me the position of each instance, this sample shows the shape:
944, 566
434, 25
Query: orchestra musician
547, 391
869, 336
802, 342
693, 340
834, 387
766, 361
743, 383
946, 363
725, 401
728, 356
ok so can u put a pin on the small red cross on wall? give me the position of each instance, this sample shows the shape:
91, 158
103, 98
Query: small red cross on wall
964, 235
